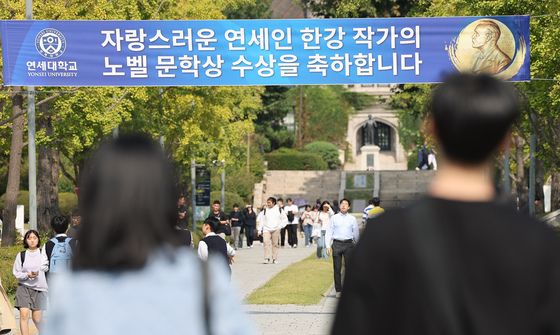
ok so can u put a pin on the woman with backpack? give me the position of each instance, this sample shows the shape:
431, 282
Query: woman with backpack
132, 273
29, 269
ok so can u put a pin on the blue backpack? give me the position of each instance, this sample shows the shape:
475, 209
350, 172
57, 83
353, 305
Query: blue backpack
61, 256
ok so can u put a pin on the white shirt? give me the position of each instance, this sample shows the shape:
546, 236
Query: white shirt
295, 211
272, 219
365, 212
342, 227
323, 218
203, 248
432, 160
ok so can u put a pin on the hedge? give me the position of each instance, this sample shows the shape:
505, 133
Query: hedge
230, 199
327, 150
67, 201
7, 258
295, 160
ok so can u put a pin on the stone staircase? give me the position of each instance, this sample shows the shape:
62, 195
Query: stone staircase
304, 185
398, 188
394, 188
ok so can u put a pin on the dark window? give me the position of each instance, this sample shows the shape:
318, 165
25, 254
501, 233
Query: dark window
383, 137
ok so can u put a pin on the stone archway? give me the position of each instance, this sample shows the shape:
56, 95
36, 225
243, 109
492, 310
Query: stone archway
386, 153
384, 138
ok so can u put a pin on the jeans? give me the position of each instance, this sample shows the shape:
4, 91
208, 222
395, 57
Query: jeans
250, 235
307, 233
235, 233
321, 250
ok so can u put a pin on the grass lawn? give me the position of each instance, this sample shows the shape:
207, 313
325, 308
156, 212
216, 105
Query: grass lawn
302, 283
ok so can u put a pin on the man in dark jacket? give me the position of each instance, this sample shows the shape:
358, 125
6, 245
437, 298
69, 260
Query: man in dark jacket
457, 262
224, 228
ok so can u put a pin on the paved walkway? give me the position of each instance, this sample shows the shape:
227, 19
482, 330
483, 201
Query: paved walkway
249, 273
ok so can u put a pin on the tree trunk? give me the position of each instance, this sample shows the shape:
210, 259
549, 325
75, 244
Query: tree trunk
555, 196
521, 182
14, 170
48, 174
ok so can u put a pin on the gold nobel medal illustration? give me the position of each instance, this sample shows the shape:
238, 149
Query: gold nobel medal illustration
488, 46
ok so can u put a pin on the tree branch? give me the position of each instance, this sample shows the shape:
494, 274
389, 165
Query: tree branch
12, 119
66, 173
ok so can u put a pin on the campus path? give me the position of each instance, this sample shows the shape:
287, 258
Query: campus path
249, 273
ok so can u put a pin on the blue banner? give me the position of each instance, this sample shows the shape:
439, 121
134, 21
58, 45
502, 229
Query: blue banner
262, 52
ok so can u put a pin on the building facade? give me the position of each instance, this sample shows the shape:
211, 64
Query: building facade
373, 134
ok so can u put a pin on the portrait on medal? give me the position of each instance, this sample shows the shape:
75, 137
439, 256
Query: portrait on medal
487, 46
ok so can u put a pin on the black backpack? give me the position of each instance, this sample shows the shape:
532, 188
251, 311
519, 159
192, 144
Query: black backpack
290, 216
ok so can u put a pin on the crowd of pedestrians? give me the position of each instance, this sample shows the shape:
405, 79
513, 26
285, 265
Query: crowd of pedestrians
455, 262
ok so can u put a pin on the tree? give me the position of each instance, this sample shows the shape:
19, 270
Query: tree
542, 97
76, 120
249, 10
12, 189
326, 111
361, 8
270, 118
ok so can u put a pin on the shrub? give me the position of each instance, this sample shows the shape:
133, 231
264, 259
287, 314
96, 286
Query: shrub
7, 258
230, 199
288, 159
67, 201
327, 150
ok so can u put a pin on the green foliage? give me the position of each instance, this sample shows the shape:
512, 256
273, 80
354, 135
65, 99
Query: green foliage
241, 182
411, 101
361, 8
276, 104
328, 151
7, 258
68, 201
541, 97
249, 9
230, 199
326, 113
289, 159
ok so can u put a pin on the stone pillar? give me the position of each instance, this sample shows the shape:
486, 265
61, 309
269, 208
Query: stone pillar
370, 158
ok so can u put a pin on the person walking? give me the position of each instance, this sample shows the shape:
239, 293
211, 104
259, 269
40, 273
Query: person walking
292, 213
250, 220
284, 230
323, 219
215, 246
341, 236
29, 269
308, 218
132, 273
236, 219
375, 211
269, 225
224, 229
457, 261
61, 248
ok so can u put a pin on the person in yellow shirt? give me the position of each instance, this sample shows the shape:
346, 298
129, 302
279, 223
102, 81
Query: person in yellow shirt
376, 211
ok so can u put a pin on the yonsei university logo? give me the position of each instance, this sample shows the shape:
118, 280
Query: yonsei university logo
50, 43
